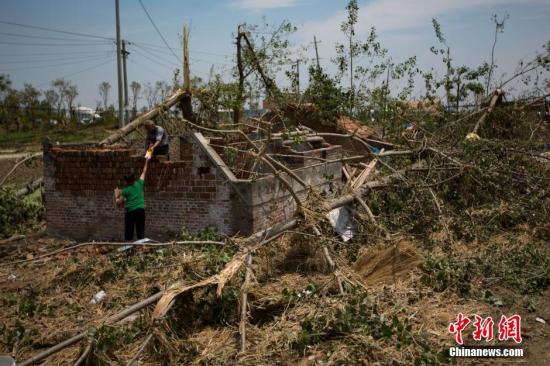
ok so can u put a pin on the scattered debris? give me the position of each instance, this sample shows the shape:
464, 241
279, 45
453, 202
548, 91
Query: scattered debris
98, 297
341, 220
140, 241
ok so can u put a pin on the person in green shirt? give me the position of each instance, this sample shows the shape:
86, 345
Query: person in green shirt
133, 200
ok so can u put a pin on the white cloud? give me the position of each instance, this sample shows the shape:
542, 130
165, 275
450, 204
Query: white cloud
264, 4
395, 15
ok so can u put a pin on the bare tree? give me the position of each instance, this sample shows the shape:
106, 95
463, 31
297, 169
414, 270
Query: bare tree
66, 92
71, 92
104, 88
136, 90
52, 99
499, 28
151, 95
60, 87
164, 89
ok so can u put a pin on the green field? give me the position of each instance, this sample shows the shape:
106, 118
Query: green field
32, 139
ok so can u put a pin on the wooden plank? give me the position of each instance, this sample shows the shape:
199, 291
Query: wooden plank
361, 179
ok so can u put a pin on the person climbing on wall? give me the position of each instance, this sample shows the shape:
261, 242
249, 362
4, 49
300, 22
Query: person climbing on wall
157, 139
132, 198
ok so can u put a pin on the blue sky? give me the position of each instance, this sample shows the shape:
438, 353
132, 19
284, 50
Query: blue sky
404, 27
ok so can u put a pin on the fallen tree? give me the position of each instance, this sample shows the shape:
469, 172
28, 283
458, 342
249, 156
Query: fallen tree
29, 188
167, 104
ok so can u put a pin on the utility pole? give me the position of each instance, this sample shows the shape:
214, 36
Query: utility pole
298, 76
351, 75
316, 53
119, 68
125, 54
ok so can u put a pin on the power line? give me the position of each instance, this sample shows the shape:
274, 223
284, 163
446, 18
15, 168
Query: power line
52, 60
155, 55
48, 54
158, 31
154, 52
155, 61
150, 45
56, 30
146, 67
59, 64
33, 36
56, 44
80, 71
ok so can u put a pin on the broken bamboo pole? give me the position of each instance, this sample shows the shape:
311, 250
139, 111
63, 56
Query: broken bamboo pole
330, 262
12, 239
82, 359
141, 349
77, 338
77, 246
244, 302
168, 103
334, 270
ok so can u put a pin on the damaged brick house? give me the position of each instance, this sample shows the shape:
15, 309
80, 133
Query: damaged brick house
195, 189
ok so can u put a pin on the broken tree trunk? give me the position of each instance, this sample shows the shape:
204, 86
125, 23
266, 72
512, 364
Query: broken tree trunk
168, 103
270, 85
33, 186
496, 96
240, 90
372, 218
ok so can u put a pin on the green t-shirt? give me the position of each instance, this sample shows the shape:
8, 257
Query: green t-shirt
134, 196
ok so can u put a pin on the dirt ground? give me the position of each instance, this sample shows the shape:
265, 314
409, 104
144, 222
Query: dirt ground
285, 295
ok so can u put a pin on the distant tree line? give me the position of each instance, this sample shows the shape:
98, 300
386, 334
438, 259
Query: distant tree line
365, 80
29, 108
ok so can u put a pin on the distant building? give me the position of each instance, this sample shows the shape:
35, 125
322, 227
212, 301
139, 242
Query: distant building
84, 115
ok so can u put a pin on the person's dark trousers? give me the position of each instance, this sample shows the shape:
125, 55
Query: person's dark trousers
134, 219
161, 150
